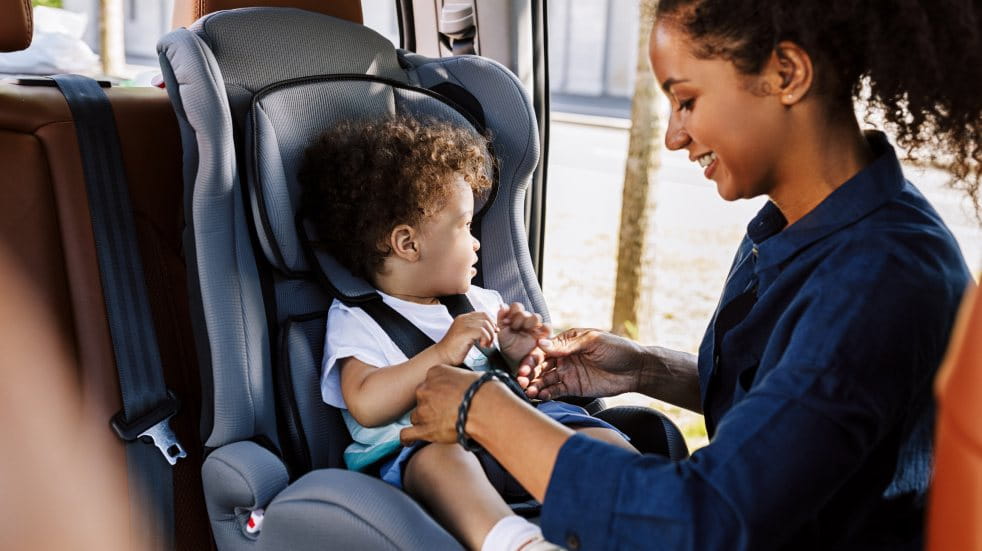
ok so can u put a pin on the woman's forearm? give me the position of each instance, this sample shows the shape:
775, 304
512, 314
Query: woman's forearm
525, 442
671, 376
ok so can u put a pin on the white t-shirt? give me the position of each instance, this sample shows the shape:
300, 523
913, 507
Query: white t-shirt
351, 332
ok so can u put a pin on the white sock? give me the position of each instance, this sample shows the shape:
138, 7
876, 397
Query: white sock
509, 534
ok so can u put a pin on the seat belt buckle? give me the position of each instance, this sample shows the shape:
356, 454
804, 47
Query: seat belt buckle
155, 426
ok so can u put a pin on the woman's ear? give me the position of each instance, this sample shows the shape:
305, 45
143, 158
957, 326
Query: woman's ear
792, 68
403, 240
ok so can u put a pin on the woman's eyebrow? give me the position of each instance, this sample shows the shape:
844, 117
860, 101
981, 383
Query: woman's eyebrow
669, 82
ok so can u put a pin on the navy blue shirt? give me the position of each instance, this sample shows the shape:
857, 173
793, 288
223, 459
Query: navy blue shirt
815, 374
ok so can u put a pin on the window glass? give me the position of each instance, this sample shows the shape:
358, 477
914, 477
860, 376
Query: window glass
381, 16
66, 38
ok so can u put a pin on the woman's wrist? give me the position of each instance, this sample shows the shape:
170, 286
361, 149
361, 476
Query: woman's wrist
491, 396
671, 376
463, 410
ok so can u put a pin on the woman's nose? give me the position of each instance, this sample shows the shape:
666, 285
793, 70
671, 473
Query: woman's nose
477, 244
675, 135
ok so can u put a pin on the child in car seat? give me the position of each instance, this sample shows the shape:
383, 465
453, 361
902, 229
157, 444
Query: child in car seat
393, 201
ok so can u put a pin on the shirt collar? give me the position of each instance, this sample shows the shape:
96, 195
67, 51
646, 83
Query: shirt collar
867, 190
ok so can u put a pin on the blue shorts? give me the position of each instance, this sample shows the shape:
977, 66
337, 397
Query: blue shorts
566, 414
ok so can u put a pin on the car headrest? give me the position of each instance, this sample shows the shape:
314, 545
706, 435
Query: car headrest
16, 25
189, 11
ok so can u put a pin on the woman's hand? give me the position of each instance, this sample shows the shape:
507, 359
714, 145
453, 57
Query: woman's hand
585, 362
437, 401
519, 331
466, 330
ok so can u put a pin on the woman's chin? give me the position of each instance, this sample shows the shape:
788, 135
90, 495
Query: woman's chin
726, 192
729, 191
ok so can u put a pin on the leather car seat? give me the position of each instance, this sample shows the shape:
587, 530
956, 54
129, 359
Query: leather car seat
955, 507
45, 230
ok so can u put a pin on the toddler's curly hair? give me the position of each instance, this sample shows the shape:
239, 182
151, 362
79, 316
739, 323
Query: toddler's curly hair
361, 179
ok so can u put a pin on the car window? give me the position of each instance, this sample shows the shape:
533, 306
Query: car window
66, 38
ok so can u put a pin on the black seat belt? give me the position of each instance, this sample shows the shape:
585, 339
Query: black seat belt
147, 403
404, 333
411, 340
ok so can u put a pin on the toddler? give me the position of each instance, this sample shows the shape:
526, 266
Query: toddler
393, 201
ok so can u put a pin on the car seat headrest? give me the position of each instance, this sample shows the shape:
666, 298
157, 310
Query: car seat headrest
189, 11
283, 121
258, 47
16, 25
289, 75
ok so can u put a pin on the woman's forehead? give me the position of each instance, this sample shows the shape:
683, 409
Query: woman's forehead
669, 51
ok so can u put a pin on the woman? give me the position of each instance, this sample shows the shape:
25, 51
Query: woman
815, 371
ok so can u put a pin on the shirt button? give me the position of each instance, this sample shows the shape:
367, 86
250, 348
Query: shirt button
572, 541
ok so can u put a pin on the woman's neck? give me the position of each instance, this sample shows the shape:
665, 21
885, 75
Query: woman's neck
823, 158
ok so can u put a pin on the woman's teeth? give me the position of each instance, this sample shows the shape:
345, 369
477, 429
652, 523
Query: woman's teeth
706, 159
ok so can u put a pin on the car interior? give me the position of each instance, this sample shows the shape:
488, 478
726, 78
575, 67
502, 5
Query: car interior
229, 297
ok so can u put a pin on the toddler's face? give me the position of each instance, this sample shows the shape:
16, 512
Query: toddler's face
448, 251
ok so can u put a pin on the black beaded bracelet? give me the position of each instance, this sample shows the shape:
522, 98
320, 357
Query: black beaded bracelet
465, 404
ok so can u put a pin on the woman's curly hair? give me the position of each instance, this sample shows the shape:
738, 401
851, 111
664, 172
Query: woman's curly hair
361, 179
919, 62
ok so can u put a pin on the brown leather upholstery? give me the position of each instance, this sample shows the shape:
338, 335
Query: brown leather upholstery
16, 25
46, 233
45, 228
189, 11
955, 514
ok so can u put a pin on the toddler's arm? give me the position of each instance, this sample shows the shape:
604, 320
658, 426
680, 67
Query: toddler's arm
376, 396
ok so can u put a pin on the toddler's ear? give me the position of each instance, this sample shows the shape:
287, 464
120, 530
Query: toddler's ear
403, 242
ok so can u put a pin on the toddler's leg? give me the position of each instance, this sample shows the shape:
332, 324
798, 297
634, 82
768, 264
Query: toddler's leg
450, 481
606, 435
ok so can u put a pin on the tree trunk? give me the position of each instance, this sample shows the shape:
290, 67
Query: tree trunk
113, 50
636, 205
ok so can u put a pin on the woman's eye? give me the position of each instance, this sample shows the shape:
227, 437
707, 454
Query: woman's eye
686, 105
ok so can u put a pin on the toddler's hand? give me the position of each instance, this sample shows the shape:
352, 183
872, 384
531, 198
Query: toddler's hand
519, 331
466, 330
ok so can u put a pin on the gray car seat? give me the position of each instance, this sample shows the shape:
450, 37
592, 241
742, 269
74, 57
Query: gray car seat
252, 88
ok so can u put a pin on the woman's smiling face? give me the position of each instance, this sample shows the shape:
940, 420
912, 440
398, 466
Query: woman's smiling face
731, 124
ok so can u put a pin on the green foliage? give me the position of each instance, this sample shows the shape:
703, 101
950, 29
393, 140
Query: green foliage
48, 3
